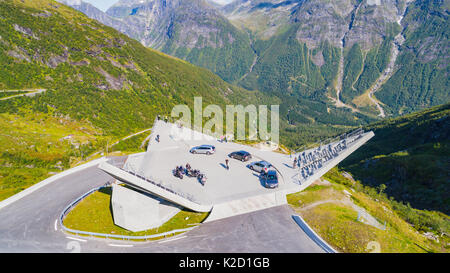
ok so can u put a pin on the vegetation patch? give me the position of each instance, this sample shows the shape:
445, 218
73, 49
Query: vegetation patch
94, 214
409, 158
326, 209
132, 144
34, 146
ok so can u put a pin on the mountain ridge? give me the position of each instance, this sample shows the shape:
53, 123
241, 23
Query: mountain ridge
360, 75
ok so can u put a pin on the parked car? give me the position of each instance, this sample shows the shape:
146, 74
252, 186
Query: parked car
203, 149
241, 155
270, 179
260, 166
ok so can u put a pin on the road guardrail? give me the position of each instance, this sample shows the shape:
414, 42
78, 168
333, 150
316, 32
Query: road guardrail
110, 236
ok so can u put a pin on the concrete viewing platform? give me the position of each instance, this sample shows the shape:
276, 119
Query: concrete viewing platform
227, 192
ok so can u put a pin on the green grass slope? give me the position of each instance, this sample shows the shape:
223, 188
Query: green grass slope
408, 160
92, 71
101, 86
357, 219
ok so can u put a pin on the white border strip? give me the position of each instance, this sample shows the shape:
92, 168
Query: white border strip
76, 239
49, 180
311, 234
170, 240
120, 245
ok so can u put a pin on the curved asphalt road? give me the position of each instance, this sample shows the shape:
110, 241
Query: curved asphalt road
28, 225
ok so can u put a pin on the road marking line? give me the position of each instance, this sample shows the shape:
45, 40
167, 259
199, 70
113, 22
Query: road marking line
120, 245
76, 239
56, 224
172, 239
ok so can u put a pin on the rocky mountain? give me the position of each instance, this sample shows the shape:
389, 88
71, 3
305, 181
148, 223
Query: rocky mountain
189, 29
87, 68
421, 74
340, 21
91, 84
329, 61
263, 18
97, 14
349, 51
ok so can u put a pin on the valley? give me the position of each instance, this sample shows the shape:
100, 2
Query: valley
77, 83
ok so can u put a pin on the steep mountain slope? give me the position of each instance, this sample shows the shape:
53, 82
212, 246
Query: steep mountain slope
345, 46
312, 110
99, 86
62, 50
421, 76
264, 18
189, 29
350, 58
409, 157
372, 50
97, 14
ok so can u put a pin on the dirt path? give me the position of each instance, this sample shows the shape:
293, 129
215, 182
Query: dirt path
117, 142
30, 93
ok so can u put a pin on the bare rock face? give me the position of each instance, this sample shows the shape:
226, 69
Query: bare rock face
182, 28
19, 55
372, 19
346, 22
98, 15
265, 18
187, 23
339, 21
26, 31
322, 21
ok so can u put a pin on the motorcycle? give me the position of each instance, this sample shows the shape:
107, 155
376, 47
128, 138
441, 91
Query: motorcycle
192, 173
202, 178
178, 173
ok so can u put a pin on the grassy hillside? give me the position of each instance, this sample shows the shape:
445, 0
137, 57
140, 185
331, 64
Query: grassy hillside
410, 156
393, 191
95, 72
101, 86
357, 219
34, 146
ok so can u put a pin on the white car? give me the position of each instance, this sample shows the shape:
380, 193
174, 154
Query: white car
203, 149
260, 166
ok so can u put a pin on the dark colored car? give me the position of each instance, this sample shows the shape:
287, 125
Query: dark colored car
270, 179
241, 155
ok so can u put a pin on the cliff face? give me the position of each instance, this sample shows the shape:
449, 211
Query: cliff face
98, 15
189, 29
341, 53
357, 21
158, 21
